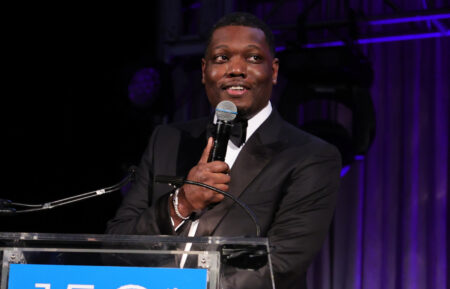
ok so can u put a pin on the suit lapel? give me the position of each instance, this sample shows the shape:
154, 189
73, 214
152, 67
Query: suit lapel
190, 149
252, 159
191, 145
181, 150
255, 155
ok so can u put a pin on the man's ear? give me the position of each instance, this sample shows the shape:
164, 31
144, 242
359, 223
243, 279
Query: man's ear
203, 70
275, 66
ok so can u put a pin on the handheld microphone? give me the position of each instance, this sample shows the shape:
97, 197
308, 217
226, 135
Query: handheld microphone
226, 112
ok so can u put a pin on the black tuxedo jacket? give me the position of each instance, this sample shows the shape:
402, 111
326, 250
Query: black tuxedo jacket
286, 176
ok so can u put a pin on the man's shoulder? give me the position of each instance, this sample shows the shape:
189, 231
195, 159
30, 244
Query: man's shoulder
298, 138
296, 135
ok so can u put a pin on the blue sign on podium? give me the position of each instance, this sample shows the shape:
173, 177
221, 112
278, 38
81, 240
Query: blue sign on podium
30, 276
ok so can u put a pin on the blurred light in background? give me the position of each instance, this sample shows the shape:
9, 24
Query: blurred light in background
144, 87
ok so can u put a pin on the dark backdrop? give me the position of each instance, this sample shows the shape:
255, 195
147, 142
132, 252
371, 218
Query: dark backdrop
67, 124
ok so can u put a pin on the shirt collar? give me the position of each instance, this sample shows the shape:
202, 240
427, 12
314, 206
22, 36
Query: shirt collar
258, 119
254, 122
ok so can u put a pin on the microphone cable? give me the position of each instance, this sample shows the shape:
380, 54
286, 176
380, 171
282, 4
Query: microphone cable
179, 181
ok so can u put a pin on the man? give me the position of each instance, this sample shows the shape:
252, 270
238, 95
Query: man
287, 177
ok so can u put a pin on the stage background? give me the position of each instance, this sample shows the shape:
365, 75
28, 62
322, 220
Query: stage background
68, 126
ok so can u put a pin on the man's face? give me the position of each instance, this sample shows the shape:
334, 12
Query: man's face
239, 67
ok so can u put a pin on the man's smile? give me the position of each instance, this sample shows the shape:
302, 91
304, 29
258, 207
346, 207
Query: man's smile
236, 90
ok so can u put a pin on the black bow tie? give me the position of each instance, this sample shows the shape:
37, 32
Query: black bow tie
238, 132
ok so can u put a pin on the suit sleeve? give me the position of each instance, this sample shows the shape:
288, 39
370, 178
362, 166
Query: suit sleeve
305, 212
137, 215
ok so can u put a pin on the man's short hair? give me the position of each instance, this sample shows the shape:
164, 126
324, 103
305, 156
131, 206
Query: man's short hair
243, 19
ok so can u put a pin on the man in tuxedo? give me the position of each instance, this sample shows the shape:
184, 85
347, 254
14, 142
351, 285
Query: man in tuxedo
287, 177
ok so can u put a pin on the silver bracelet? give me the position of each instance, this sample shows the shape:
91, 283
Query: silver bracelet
175, 205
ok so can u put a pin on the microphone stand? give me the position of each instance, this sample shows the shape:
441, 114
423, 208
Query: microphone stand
7, 207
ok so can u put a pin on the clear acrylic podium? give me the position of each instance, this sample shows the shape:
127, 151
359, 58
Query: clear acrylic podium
222, 258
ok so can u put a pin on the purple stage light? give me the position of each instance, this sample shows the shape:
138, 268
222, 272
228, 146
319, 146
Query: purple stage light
325, 44
359, 157
196, 5
345, 170
403, 37
381, 39
444, 32
408, 19
144, 87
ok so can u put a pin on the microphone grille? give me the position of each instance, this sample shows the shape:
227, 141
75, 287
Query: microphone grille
226, 111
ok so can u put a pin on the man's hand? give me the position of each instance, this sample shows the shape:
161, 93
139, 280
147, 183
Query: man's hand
194, 198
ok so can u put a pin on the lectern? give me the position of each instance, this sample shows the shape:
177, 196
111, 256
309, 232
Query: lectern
71, 261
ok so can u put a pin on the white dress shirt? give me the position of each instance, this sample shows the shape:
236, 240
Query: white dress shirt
252, 126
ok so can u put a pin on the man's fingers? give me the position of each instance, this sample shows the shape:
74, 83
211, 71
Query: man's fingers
216, 167
206, 151
222, 179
